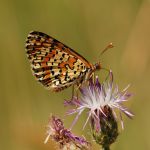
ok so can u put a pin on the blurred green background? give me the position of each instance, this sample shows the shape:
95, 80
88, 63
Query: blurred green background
86, 26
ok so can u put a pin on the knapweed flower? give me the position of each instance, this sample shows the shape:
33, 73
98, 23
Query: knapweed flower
104, 104
63, 137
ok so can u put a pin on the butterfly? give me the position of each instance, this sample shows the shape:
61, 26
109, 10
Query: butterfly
55, 65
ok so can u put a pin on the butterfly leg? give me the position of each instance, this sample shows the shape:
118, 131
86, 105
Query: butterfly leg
77, 90
73, 91
92, 77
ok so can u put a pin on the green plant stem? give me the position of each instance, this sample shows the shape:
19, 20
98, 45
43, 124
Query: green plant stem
105, 147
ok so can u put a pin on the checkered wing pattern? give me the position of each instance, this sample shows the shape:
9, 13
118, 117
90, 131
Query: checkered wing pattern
54, 64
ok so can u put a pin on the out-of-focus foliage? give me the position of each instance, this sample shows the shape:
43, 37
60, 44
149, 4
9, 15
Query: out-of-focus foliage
86, 26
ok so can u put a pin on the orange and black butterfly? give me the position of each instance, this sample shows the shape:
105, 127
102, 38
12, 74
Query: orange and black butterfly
54, 64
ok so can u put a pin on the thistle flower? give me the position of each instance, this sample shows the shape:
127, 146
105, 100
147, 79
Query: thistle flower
101, 101
65, 139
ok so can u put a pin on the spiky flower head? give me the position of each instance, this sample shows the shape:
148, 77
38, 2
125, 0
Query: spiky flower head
101, 101
63, 137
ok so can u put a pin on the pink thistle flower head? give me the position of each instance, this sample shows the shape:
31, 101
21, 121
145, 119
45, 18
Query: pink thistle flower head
101, 102
96, 98
63, 137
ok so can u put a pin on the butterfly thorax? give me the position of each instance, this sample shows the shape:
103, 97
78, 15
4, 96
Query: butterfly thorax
90, 71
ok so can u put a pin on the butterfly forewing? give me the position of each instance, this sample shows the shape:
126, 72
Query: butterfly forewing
54, 64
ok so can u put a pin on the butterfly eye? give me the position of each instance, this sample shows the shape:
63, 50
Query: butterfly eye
97, 66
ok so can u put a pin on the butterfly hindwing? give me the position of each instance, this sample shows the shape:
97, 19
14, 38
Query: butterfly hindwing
54, 64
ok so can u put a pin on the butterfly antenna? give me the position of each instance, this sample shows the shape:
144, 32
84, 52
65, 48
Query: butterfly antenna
110, 45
